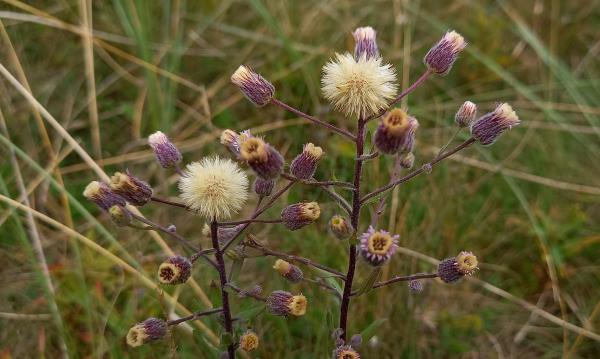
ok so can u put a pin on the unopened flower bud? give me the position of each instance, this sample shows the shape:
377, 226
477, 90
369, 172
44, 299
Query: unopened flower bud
345, 352
149, 330
263, 187
377, 247
231, 139
256, 89
288, 271
133, 189
249, 341
365, 43
284, 303
120, 215
165, 151
101, 194
490, 126
415, 286
396, 132
175, 270
427, 168
407, 160
356, 340
466, 114
442, 56
305, 164
262, 158
340, 227
450, 270
298, 215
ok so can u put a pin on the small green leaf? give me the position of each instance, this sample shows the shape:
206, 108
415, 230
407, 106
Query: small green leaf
371, 329
367, 286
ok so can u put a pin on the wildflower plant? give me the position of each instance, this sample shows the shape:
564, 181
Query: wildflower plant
362, 86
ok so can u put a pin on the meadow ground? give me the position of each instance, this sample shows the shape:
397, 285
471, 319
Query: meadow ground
528, 206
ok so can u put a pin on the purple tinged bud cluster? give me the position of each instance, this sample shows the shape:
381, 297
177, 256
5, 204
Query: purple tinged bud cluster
442, 56
490, 126
133, 189
345, 352
165, 151
284, 303
298, 215
288, 271
175, 270
340, 227
256, 89
305, 164
466, 114
263, 187
450, 270
365, 39
377, 246
396, 132
149, 330
101, 194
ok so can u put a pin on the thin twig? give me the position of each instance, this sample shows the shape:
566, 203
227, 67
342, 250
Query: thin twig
169, 202
405, 279
246, 293
194, 316
314, 182
248, 221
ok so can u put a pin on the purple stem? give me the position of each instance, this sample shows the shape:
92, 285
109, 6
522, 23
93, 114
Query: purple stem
169, 202
248, 221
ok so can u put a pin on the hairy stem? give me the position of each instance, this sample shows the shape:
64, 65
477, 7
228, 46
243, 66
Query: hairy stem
194, 316
223, 279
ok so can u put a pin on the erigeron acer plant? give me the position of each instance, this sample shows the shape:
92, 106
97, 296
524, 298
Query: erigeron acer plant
363, 87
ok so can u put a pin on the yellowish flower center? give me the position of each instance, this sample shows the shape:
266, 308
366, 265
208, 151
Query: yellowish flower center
254, 149
120, 181
379, 243
396, 122
467, 262
168, 272
282, 266
311, 211
249, 341
136, 336
313, 151
297, 305
348, 354
92, 190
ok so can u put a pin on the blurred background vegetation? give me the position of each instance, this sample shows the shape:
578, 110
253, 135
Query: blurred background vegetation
528, 206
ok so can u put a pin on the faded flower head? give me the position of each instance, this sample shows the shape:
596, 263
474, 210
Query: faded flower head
466, 263
358, 87
450, 270
298, 215
340, 227
149, 330
249, 341
260, 156
175, 270
133, 189
305, 164
258, 90
466, 114
490, 126
396, 132
101, 194
345, 352
284, 303
216, 188
165, 151
288, 271
366, 43
377, 247
442, 56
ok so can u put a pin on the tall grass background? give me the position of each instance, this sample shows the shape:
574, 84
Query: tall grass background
84, 82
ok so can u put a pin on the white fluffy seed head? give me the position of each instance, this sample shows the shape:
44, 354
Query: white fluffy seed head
359, 87
216, 188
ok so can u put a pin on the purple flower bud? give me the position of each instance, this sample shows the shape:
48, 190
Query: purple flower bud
452, 269
377, 247
356, 340
305, 164
288, 271
120, 215
407, 160
256, 89
442, 56
134, 190
490, 126
345, 352
366, 43
263, 187
396, 132
149, 330
284, 303
466, 114
261, 157
340, 227
231, 139
298, 215
175, 270
415, 286
165, 151
101, 194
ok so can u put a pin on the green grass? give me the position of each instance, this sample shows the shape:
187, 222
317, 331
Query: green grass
538, 56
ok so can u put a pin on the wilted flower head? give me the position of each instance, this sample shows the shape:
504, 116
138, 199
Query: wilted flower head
377, 247
260, 156
284, 303
396, 132
442, 56
133, 189
466, 114
288, 271
298, 215
358, 87
101, 194
305, 164
450, 270
366, 43
216, 188
249, 341
345, 352
175, 270
340, 227
258, 90
149, 330
263, 187
490, 126
165, 151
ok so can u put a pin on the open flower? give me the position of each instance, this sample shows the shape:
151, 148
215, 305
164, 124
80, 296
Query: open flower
358, 87
377, 247
216, 188
345, 352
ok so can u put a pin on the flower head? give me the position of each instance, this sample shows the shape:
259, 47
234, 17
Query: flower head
377, 247
249, 341
490, 126
466, 114
260, 156
340, 227
305, 164
345, 352
258, 90
120, 215
298, 215
165, 151
358, 87
101, 194
288, 271
133, 189
452, 269
442, 56
396, 132
466, 263
366, 43
175, 270
149, 330
284, 303
216, 188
